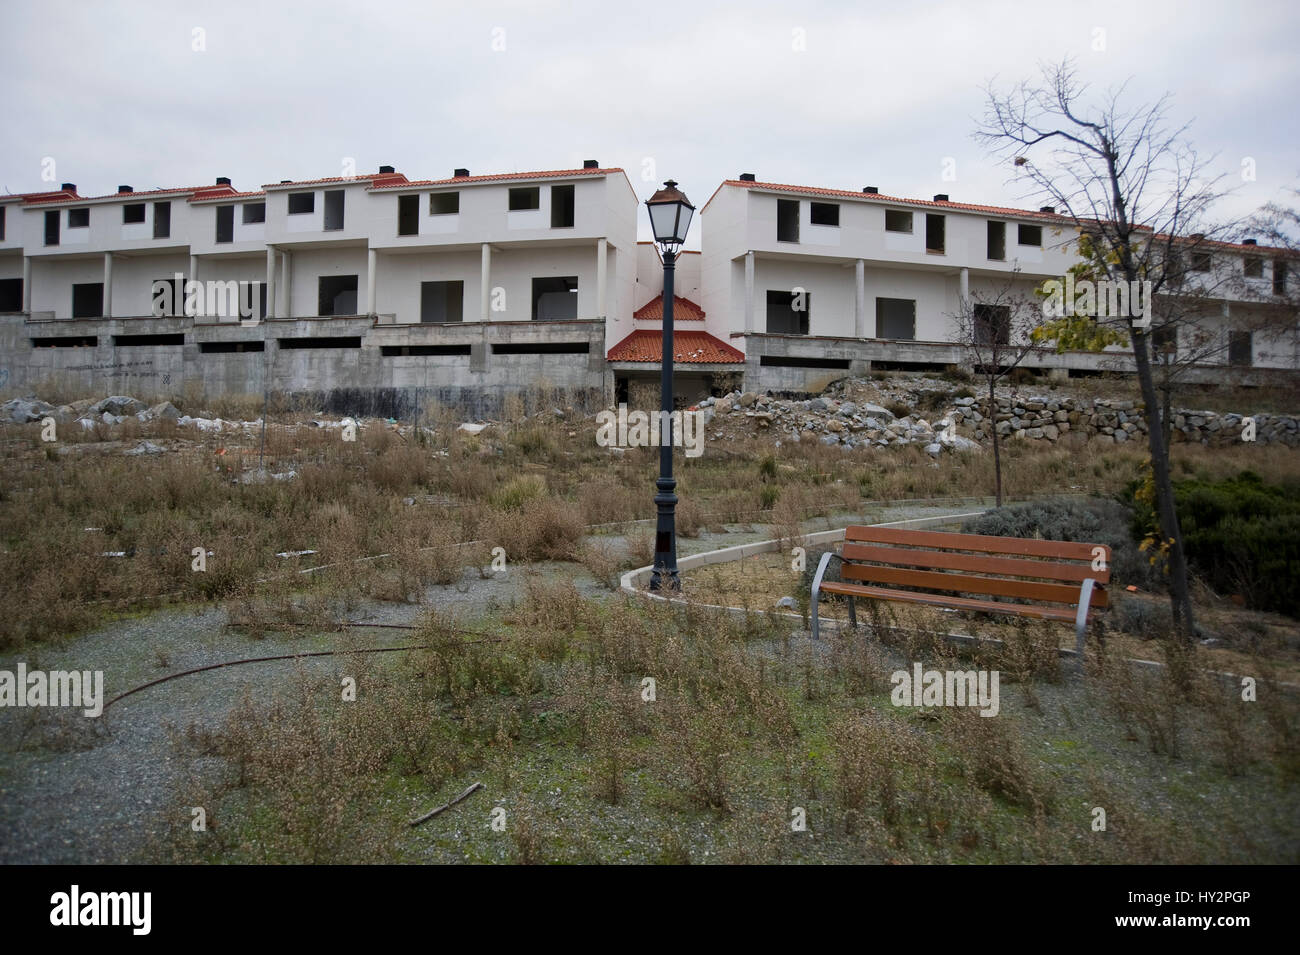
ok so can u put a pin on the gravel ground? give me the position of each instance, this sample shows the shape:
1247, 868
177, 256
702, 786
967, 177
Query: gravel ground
74, 790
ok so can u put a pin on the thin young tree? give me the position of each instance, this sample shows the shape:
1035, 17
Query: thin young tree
995, 328
1134, 185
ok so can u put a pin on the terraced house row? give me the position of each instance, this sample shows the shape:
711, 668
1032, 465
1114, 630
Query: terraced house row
375, 291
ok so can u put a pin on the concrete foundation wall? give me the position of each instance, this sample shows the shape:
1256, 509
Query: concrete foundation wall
359, 380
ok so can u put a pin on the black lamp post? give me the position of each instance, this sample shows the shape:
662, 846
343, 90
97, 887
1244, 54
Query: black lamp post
670, 218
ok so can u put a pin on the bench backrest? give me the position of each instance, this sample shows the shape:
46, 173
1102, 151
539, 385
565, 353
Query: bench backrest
1035, 570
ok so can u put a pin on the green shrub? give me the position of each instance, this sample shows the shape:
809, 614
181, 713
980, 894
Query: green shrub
1240, 534
518, 491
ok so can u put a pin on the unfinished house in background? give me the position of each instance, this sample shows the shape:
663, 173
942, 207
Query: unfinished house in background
382, 294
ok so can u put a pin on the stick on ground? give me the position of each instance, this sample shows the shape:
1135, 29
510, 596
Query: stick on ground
433, 812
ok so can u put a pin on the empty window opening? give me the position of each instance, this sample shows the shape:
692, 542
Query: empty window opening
992, 324
525, 197
162, 220
66, 341
898, 220
555, 299
442, 302
225, 223
229, 348
1253, 267
133, 213
787, 220
51, 228
253, 212
88, 300
336, 341
2, 223
301, 203
1240, 348
787, 312
444, 203
403, 351
824, 213
1201, 262
934, 233
337, 295
997, 241
1175, 268
11, 295
1029, 235
334, 210
1279, 277
408, 215
785, 361
149, 340
562, 207
78, 218
896, 318
543, 348
1164, 340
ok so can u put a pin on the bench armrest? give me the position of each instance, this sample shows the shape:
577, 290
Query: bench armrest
815, 592
1081, 618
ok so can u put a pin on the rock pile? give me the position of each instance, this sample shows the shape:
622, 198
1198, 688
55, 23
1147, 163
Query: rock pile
846, 424
968, 422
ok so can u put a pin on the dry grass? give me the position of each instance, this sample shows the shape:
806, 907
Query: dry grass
531, 487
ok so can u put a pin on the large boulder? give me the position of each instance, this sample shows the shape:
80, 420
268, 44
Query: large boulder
23, 410
118, 405
164, 409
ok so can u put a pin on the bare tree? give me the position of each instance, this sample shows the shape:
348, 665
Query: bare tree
1136, 187
995, 328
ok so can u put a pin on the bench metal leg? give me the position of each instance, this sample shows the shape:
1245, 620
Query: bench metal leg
853, 614
815, 593
1081, 618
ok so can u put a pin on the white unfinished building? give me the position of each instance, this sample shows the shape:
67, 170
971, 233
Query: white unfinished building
375, 292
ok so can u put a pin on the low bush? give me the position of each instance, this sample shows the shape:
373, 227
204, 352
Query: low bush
1241, 534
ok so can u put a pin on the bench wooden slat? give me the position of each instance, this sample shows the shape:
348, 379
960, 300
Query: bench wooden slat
1067, 550
950, 560
967, 583
960, 603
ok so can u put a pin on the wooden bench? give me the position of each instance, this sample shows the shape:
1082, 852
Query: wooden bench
1061, 580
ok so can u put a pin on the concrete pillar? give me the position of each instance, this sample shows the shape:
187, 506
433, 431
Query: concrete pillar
371, 263
108, 284
192, 277
963, 286
602, 251
27, 284
485, 284
860, 298
271, 310
286, 281
749, 291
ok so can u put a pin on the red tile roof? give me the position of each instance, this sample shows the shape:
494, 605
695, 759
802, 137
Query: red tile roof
878, 197
46, 197
211, 194
395, 178
689, 348
501, 177
32, 198
683, 310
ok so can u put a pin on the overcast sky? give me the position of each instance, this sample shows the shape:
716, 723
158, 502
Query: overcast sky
830, 94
